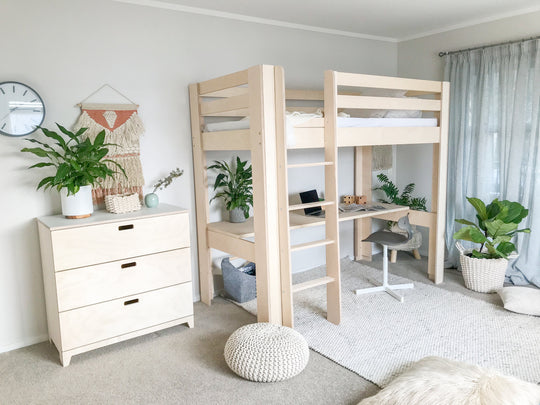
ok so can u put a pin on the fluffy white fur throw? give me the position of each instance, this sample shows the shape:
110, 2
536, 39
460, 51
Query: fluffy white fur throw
434, 380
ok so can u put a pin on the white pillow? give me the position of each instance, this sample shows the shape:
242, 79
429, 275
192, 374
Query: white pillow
523, 300
369, 92
434, 380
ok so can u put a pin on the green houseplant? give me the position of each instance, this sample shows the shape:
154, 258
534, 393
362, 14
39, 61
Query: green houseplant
497, 223
79, 164
236, 190
151, 199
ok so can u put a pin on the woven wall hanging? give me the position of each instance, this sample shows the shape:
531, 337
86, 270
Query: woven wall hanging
123, 127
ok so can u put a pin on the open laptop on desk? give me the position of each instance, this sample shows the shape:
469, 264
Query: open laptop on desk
309, 197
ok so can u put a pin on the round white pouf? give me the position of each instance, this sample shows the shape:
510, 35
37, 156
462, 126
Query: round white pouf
265, 352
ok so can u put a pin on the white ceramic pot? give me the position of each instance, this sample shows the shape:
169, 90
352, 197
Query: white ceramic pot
78, 205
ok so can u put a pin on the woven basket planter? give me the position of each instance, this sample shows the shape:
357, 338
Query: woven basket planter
122, 203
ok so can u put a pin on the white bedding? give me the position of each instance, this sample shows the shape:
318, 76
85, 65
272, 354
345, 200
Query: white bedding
342, 122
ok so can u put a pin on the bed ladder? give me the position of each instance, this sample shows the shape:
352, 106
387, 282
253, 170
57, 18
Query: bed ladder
331, 241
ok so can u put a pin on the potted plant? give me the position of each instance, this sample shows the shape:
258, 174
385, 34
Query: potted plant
79, 165
236, 188
484, 269
151, 200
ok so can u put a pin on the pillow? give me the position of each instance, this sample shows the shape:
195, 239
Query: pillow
403, 114
434, 380
523, 300
380, 93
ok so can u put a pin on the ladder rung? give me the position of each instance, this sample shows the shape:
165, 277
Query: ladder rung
310, 164
308, 245
312, 283
310, 205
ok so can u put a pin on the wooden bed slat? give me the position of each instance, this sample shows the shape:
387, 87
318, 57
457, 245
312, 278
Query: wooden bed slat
388, 103
224, 105
386, 82
237, 247
233, 91
223, 82
226, 140
316, 95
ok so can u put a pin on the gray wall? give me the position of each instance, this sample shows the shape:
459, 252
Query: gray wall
419, 59
66, 49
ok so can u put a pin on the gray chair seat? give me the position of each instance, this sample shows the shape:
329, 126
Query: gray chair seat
386, 238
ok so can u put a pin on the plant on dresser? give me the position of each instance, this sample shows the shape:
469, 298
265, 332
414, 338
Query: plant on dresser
79, 165
108, 279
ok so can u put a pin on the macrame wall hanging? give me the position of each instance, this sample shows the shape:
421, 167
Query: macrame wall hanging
123, 127
381, 158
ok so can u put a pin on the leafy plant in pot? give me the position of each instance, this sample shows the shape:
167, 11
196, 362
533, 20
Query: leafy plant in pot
236, 190
484, 269
80, 164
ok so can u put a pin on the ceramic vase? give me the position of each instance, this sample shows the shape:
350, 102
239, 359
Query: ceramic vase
151, 200
78, 205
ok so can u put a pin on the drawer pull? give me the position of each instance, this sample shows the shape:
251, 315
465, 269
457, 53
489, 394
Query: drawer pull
125, 227
130, 264
129, 302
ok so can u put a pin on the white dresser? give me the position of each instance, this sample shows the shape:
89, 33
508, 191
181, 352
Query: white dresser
112, 277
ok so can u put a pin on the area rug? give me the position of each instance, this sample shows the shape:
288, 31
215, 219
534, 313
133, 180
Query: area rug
379, 337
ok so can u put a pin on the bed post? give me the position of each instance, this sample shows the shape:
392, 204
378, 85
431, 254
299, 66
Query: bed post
262, 112
362, 186
200, 175
438, 200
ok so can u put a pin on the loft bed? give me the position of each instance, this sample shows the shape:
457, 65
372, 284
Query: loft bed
256, 100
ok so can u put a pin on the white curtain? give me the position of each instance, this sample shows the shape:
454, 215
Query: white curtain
494, 141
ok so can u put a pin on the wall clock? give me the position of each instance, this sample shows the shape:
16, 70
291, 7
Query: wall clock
21, 109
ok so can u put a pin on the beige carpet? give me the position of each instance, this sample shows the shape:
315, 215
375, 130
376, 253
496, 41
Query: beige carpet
379, 336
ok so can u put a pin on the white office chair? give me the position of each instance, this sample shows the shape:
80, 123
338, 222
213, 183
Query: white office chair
389, 239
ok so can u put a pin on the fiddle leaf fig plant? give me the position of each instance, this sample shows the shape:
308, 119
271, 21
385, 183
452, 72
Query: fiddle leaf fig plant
77, 162
235, 183
497, 225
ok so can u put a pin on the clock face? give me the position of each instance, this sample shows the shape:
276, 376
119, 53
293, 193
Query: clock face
21, 109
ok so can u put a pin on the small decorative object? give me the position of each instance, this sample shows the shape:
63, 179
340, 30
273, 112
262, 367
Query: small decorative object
484, 269
21, 109
236, 187
78, 163
151, 200
123, 128
360, 199
349, 199
122, 203
264, 352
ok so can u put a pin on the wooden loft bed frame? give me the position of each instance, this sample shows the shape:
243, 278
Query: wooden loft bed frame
259, 93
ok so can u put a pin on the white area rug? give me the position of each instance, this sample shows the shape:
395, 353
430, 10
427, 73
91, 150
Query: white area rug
379, 337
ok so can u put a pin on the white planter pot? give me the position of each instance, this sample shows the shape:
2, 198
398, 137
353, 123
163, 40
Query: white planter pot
483, 275
78, 205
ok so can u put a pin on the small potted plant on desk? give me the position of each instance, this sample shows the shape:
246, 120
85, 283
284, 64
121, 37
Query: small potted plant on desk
236, 188
393, 196
79, 165
484, 269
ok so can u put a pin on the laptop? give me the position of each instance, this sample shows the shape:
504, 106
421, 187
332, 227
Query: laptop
309, 197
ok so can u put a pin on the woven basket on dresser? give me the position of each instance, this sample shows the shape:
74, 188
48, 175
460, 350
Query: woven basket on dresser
482, 275
122, 203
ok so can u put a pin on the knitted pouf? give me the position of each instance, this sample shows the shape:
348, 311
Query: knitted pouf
265, 352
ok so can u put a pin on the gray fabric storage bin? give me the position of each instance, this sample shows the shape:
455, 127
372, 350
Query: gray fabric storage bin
239, 282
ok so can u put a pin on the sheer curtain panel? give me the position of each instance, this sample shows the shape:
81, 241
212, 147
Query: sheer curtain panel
494, 141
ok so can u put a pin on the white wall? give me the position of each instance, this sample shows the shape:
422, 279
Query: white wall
66, 49
419, 59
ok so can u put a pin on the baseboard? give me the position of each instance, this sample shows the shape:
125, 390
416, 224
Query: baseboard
23, 343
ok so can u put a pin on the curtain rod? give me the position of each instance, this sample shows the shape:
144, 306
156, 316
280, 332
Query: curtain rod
441, 54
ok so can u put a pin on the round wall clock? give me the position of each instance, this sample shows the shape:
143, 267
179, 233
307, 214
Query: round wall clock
21, 109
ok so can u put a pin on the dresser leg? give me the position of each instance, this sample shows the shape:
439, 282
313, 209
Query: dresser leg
65, 359
191, 322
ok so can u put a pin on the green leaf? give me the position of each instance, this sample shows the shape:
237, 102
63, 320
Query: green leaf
100, 138
45, 181
497, 227
479, 206
471, 234
465, 222
41, 164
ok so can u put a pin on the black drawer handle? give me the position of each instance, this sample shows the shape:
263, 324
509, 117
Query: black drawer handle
125, 227
134, 301
126, 265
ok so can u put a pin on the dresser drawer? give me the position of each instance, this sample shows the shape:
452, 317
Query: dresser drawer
103, 282
110, 319
84, 246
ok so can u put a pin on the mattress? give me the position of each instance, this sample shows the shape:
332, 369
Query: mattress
342, 122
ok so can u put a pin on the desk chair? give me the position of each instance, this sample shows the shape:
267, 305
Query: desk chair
389, 239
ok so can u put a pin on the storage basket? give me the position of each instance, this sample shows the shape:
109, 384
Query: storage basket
482, 275
122, 203
239, 283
